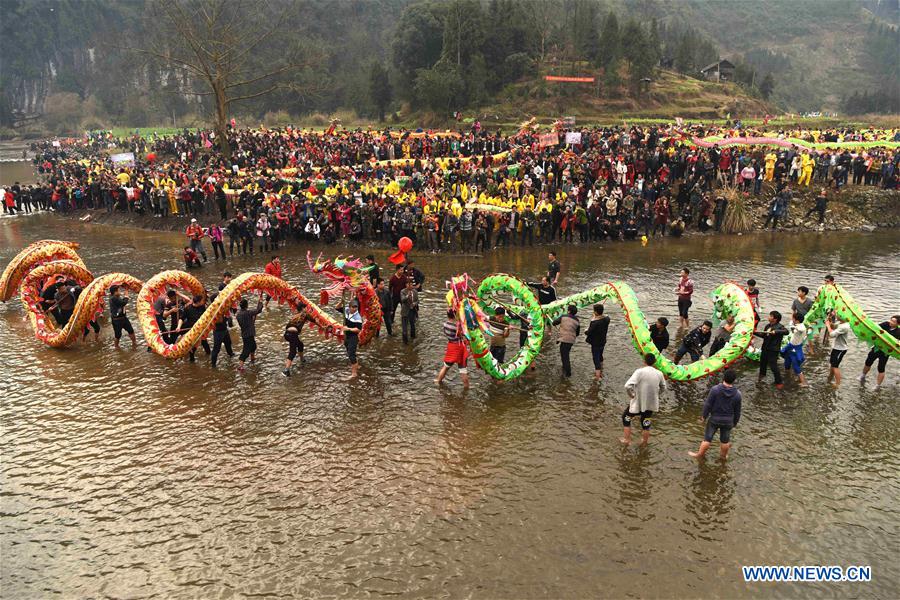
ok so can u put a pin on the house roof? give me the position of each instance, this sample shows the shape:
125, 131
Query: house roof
722, 62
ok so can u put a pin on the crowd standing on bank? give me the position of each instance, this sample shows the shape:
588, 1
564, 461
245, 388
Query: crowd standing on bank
468, 191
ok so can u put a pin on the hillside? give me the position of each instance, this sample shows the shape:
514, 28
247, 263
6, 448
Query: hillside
828, 44
668, 95
63, 68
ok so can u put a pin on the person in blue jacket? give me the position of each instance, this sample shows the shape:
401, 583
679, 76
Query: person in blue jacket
723, 411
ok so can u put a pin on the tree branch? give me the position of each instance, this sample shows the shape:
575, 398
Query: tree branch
255, 95
164, 58
265, 76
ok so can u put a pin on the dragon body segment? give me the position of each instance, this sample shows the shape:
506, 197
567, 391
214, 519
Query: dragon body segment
44, 260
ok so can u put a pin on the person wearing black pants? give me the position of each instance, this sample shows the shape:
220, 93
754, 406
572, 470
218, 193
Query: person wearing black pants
247, 322
120, 321
292, 337
353, 324
772, 335
234, 237
528, 219
387, 306
409, 311
189, 317
499, 330
221, 337
820, 207
596, 337
569, 328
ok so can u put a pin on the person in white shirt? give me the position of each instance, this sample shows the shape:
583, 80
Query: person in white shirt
312, 229
793, 352
839, 333
643, 389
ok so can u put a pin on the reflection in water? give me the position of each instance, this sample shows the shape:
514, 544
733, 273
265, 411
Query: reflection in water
711, 504
124, 474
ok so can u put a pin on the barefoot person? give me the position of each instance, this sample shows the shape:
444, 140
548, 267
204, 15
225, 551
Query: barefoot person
892, 327
353, 323
221, 335
499, 330
801, 306
569, 327
793, 352
456, 353
772, 334
292, 337
659, 335
684, 291
693, 342
723, 334
596, 337
246, 320
723, 411
643, 389
273, 268
839, 333
120, 321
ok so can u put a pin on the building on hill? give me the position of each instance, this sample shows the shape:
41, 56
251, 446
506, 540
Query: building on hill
722, 70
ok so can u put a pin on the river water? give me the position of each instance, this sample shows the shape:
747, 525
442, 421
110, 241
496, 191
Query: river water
12, 166
124, 475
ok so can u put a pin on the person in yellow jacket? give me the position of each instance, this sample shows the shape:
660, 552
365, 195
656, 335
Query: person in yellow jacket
806, 169
770, 166
170, 194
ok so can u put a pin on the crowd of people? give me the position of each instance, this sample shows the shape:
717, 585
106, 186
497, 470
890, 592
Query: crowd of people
176, 312
449, 191
722, 409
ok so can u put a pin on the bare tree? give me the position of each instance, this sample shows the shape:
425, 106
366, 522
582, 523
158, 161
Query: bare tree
543, 16
220, 44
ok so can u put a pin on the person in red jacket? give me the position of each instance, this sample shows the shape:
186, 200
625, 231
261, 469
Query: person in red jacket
195, 236
273, 268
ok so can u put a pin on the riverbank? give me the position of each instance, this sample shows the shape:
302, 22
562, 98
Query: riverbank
857, 208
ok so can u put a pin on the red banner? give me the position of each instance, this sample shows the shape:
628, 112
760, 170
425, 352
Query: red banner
569, 79
548, 139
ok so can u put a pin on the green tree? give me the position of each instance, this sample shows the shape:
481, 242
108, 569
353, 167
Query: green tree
637, 51
509, 37
380, 89
463, 31
684, 54
477, 77
767, 86
611, 79
440, 88
584, 27
654, 44
609, 45
542, 16
417, 43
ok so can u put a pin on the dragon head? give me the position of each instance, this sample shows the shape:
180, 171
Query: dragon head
457, 290
343, 273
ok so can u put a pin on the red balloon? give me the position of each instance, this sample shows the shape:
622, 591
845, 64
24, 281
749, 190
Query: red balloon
405, 244
151, 157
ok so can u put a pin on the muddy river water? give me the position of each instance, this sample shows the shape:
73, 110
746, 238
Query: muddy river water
125, 475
